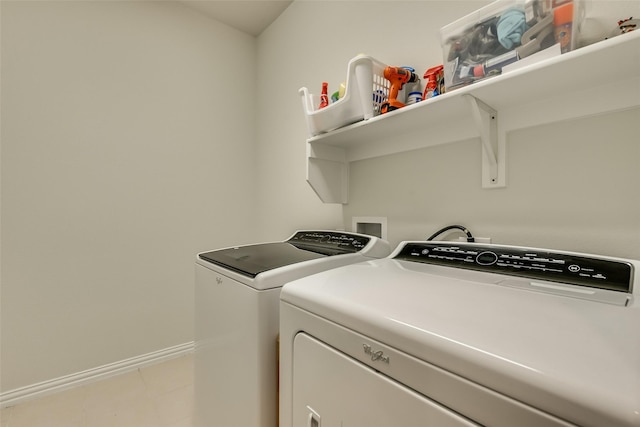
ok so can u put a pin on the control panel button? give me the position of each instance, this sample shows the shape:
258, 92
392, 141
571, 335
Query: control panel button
486, 258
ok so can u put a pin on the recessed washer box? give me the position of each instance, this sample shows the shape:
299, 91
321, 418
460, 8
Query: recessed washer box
370, 225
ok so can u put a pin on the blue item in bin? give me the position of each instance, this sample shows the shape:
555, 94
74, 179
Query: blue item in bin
510, 27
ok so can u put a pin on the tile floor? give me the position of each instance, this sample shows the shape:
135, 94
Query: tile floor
159, 395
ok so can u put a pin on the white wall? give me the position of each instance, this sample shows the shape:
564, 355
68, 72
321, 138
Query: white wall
570, 186
286, 201
127, 134
126, 149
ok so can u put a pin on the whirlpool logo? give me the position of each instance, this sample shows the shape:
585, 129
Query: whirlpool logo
376, 355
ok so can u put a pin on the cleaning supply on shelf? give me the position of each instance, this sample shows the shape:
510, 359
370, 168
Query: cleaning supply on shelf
563, 23
342, 90
414, 97
324, 96
412, 92
435, 81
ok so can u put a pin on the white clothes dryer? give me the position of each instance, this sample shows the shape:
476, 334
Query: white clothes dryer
461, 334
237, 293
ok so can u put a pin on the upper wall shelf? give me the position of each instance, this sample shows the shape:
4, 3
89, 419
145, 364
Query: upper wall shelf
600, 78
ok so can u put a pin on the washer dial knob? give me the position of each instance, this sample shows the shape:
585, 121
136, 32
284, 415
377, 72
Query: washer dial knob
486, 258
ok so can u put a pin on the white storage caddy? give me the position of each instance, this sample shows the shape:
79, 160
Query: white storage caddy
365, 91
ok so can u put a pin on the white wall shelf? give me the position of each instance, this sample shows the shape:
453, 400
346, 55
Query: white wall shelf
600, 78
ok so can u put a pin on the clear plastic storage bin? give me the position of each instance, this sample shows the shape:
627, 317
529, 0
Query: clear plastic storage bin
366, 90
480, 44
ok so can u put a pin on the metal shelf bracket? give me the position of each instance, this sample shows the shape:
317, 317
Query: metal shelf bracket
485, 119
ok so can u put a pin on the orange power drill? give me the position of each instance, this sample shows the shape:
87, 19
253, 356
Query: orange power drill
397, 76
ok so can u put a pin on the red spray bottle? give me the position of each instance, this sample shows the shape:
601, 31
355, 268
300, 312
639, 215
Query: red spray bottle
433, 77
324, 96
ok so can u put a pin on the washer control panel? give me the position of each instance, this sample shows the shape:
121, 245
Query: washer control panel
331, 239
539, 264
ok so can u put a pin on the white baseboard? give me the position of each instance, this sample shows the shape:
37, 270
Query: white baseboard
19, 395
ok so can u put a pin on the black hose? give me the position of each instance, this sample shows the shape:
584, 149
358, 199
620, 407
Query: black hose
451, 227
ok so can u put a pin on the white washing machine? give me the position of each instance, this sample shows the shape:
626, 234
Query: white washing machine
237, 293
460, 334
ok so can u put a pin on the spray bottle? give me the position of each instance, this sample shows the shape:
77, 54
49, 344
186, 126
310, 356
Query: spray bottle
433, 76
324, 96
